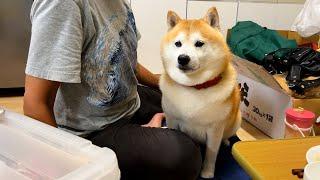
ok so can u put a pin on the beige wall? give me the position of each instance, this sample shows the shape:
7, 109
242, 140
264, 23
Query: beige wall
151, 19
265, 1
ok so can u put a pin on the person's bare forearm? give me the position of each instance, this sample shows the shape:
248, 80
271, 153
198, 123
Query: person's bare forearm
39, 111
146, 77
39, 99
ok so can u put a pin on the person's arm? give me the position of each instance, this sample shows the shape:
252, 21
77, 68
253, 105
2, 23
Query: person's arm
54, 55
39, 99
146, 77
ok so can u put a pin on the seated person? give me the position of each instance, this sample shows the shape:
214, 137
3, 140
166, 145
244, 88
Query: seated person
82, 76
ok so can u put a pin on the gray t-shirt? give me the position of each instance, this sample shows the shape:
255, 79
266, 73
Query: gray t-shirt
90, 46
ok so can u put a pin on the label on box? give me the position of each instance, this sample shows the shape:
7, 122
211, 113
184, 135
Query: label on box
263, 106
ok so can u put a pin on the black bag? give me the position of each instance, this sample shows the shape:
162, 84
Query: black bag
299, 63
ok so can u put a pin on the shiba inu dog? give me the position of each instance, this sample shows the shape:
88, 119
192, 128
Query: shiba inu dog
200, 92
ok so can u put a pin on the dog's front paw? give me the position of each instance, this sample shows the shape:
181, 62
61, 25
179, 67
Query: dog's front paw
207, 174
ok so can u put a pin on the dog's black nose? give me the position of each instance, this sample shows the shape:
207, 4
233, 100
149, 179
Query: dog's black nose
183, 59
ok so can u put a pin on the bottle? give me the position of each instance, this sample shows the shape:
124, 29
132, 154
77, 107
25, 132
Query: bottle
299, 123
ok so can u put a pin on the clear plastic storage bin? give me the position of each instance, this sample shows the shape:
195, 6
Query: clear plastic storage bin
30, 149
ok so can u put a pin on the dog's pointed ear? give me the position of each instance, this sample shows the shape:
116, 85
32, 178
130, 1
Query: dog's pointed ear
212, 18
172, 19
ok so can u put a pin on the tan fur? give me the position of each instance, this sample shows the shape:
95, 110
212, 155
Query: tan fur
208, 115
233, 120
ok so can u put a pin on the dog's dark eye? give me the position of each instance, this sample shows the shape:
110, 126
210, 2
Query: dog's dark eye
178, 44
199, 44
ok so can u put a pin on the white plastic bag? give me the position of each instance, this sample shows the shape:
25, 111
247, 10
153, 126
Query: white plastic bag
307, 23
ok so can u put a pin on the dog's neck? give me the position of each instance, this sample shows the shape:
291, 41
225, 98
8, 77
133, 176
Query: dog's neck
209, 83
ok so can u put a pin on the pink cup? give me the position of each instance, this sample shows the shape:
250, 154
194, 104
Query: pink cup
302, 118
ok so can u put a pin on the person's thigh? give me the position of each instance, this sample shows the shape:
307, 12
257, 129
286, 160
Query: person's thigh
150, 105
152, 153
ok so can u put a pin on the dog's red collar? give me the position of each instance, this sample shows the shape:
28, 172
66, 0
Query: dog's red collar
208, 84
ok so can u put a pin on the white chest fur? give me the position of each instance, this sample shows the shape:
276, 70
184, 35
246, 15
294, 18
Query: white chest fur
193, 111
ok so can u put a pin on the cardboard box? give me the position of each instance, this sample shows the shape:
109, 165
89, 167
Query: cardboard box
264, 101
300, 40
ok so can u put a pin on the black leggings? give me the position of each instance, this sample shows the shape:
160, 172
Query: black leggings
150, 153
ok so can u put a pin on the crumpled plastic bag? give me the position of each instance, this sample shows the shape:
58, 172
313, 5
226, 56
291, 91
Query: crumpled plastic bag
307, 23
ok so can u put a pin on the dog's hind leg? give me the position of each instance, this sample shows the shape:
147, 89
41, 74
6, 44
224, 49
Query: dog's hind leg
214, 137
232, 129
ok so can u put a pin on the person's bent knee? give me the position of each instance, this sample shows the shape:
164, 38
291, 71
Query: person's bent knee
183, 159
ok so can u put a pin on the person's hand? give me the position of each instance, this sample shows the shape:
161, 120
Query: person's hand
156, 121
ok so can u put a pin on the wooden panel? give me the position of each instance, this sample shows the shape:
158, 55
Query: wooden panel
13, 103
248, 132
273, 159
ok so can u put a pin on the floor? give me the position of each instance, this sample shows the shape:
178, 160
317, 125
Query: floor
247, 132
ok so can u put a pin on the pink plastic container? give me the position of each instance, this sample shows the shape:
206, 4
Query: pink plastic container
302, 118
299, 122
